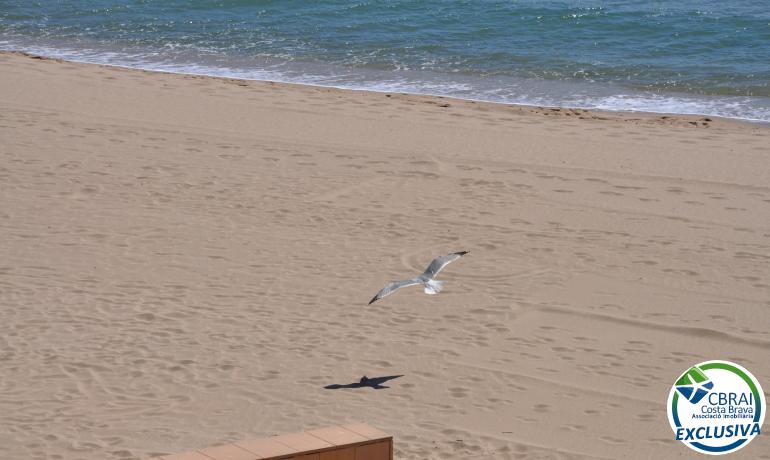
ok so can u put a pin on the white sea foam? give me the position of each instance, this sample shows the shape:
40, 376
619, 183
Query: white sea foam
509, 90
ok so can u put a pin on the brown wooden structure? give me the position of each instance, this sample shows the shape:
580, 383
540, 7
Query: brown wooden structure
357, 441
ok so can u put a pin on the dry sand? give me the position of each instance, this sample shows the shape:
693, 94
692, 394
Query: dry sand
186, 260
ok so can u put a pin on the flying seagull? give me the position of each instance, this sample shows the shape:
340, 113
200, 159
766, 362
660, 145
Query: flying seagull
426, 279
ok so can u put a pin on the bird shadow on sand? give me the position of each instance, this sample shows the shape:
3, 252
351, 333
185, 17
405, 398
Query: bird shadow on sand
375, 383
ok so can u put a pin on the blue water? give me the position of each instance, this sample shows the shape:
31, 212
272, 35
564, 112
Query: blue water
704, 57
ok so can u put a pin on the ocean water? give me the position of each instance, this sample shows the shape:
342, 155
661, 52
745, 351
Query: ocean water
702, 57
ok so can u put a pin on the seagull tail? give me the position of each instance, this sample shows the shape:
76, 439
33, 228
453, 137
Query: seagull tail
434, 287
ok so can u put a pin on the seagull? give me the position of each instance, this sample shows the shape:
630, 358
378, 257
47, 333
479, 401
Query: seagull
426, 279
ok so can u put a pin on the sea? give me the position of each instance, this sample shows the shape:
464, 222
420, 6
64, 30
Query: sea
696, 57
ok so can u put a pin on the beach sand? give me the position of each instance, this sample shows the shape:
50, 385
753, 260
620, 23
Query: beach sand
186, 261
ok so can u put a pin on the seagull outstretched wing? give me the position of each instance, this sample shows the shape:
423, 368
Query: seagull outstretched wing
393, 287
440, 262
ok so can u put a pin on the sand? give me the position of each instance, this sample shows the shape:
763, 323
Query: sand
186, 261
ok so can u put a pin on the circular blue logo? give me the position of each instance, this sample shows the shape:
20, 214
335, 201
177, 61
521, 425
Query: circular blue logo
716, 407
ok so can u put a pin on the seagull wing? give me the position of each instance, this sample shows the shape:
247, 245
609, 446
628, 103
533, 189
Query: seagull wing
440, 262
393, 287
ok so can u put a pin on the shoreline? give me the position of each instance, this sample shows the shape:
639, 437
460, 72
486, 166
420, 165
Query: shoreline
689, 116
186, 262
